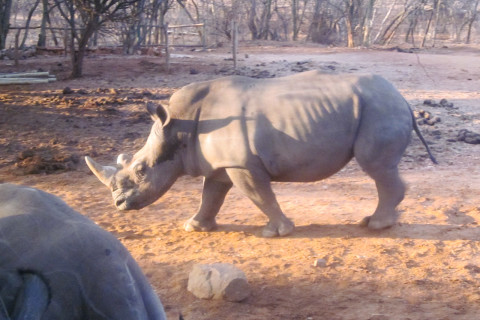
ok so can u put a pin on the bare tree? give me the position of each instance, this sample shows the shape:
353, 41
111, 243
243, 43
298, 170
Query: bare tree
42, 37
259, 20
473, 17
299, 9
387, 34
5, 8
27, 24
353, 22
324, 27
367, 21
84, 17
358, 15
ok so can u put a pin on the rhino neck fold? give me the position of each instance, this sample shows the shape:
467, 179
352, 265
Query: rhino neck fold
188, 137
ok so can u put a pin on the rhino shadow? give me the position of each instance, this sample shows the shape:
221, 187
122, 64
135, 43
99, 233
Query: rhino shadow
338, 231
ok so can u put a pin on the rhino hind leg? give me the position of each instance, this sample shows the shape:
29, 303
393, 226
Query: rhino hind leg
255, 184
391, 191
214, 193
378, 150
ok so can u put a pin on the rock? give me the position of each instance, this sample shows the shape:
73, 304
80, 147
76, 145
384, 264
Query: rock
446, 104
432, 121
218, 281
468, 136
425, 117
321, 263
443, 103
67, 90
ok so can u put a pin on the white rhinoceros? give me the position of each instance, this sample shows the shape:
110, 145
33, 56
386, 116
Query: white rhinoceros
248, 132
57, 264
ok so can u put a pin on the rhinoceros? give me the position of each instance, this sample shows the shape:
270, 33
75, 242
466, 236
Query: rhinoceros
57, 264
249, 132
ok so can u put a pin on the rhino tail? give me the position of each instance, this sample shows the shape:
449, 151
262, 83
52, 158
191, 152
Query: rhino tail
420, 136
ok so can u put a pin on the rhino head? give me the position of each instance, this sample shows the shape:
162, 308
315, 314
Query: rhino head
137, 181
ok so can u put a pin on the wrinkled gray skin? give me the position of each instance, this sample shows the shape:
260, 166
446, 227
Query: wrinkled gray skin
248, 132
57, 264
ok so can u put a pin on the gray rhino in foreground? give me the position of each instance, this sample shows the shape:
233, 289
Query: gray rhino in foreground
57, 264
248, 132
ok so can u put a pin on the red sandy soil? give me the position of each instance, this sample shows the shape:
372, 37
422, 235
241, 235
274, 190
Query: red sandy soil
425, 267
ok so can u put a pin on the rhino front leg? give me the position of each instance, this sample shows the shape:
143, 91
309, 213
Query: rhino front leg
256, 185
213, 195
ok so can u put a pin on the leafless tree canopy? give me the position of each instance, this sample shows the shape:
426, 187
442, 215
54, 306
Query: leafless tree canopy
136, 23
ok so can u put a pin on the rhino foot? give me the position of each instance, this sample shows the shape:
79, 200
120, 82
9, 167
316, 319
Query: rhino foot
195, 225
278, 228
375, 223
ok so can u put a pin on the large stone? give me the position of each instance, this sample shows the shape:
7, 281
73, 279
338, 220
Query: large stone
218, 281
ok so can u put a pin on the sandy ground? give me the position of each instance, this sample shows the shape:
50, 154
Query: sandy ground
425, 267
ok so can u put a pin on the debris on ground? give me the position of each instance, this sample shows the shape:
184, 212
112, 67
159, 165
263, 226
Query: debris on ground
468, 136
425, 117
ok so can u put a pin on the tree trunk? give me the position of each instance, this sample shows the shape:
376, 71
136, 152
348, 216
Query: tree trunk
470, 23
411, 30
265, 22
294, 20
389, 32
367, 24
27, 24
189, 15
437, 14
252, 14
79, 55
349, 24
42, 37
314, 30
77, 63
5, 8
427, 29
389, 12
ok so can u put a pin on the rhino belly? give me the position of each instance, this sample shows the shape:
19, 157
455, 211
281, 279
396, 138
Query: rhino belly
305, 163
305, 147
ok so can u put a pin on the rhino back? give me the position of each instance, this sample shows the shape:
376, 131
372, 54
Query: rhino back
302, 127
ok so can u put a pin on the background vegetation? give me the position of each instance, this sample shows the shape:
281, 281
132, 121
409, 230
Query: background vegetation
132, 24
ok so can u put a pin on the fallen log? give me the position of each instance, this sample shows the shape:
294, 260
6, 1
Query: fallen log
4, 81
26, 78
25, 75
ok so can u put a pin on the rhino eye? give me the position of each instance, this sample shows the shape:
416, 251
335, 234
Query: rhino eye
140, 170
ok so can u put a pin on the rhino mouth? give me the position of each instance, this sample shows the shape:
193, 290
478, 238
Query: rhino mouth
129, 200
125, 202
121, 203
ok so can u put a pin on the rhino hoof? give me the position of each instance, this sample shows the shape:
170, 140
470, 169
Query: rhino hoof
194, 225
377, 224
272, 230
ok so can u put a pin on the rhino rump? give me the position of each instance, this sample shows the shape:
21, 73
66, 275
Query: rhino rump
89, 273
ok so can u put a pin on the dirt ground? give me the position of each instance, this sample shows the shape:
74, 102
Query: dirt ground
425, 267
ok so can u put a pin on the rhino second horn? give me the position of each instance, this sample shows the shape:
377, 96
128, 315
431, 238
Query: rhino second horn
123, 160
103, 173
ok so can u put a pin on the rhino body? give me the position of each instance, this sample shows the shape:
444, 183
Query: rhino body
248, 132
57, 264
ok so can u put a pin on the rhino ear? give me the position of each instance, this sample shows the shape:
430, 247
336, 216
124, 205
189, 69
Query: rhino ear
158, 112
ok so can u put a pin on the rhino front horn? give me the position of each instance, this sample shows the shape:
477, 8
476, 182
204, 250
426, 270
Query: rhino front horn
103, 173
